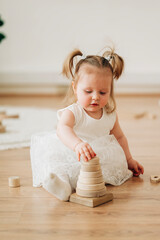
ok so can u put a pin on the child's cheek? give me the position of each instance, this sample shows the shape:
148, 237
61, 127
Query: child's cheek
83, 100
104, 101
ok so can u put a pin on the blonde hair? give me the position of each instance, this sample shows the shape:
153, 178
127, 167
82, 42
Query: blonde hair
109, 59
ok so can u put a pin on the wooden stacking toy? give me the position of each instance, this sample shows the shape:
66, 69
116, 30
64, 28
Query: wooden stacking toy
91, 190
14, 181
155, 178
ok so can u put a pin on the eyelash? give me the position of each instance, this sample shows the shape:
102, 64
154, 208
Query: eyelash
88, 91
102, 93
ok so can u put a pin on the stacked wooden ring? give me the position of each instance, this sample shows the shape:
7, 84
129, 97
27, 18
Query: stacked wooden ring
90, 182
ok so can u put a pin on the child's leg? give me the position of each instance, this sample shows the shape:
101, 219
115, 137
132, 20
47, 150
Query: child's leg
58, 185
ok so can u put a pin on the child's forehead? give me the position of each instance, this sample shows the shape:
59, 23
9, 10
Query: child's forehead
91, 75
90, 69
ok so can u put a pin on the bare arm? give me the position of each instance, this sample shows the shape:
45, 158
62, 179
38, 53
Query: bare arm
133, 165
67, 135
65, 130
121, 138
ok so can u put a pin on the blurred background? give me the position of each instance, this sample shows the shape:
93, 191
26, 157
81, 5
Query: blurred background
40, 33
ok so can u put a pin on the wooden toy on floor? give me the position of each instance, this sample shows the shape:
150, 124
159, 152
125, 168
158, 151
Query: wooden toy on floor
145, 114
2, 128
14, 181
91, 190
3, 115
155, 178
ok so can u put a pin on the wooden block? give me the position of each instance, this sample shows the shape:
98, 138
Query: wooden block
140, 115
3, 116
89, 193
90, 174
93, 161
152, 116
155, 178
90, 180
12, 116
145, 114
91, 187
2, 128
91, 202
14, 181
90, 168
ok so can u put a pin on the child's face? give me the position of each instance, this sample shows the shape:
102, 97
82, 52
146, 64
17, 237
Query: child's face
93, 87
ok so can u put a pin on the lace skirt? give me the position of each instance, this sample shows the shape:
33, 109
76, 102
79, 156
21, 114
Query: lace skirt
50, 155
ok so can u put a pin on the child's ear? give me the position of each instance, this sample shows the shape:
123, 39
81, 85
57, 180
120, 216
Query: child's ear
73, 86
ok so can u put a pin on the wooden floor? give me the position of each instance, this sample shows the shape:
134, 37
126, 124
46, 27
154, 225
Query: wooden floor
32, 213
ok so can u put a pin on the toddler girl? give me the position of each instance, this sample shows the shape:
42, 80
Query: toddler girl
86, 128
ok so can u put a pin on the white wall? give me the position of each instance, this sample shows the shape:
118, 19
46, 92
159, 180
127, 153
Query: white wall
41, 32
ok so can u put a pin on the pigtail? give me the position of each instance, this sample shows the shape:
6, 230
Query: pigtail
68, 64
116, 62
117, 65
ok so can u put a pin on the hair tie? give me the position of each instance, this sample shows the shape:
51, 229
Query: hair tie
109, 58
82, 57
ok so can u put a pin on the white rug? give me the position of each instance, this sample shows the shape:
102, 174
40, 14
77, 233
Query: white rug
31, 120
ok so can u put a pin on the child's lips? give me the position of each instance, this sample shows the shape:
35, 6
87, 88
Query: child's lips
94, 104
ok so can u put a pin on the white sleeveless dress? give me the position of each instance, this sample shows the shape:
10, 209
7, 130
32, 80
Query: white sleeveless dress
50, 155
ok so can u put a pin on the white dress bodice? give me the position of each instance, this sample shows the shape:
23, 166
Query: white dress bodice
88, 128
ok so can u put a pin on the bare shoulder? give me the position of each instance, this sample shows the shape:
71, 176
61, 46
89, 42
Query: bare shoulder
67, 118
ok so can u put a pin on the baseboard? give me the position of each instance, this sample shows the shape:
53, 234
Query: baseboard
32, 89
138, 89
54, 83
32, 83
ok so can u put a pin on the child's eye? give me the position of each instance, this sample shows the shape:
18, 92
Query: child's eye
102, 93
88, 91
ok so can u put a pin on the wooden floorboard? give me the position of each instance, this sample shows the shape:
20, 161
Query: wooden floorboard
32, 213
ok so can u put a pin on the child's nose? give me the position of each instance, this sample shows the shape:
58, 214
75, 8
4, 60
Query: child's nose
95, 96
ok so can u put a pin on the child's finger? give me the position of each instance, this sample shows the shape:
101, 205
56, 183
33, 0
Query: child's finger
135, 173
136, 168
92, 153
87, 153
84, 157
78, 156
141, 168
83, 154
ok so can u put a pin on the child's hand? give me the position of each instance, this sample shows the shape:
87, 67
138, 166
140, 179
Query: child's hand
84, 150
135, 167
